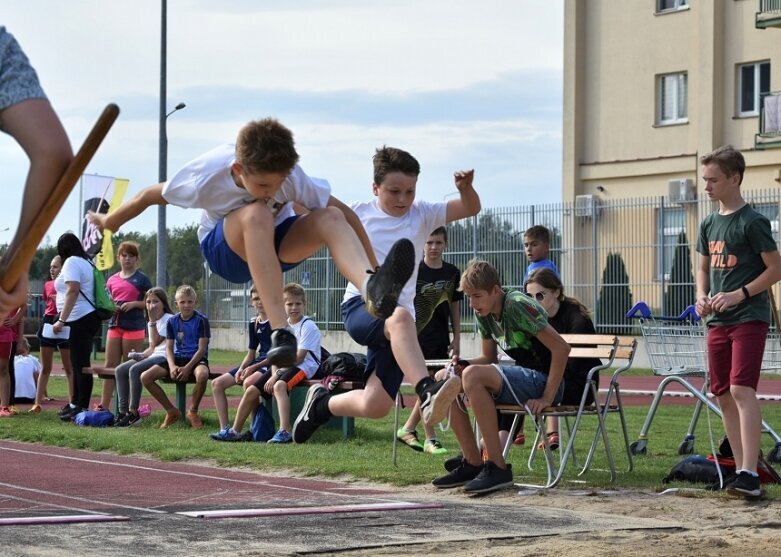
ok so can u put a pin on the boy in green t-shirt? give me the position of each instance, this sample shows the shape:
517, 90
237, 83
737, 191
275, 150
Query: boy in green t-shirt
518, 325
739, 261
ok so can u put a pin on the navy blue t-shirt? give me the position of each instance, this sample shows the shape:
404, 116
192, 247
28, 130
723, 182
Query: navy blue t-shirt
186, 333
259, 334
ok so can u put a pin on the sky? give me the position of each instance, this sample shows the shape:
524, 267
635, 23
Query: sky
460, 84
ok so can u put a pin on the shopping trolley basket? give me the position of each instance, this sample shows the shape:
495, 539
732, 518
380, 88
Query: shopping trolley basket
677, 351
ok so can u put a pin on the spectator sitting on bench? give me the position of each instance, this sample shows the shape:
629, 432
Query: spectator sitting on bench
280, 382
253, 364
187, 348
128, 374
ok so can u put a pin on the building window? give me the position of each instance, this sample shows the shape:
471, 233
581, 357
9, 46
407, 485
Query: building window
770, 210
671, 5
670, 223
753, 80
672, 98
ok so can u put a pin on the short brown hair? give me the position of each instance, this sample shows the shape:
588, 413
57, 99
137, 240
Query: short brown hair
294, 289
441, 231
538, 232
131, 248
389, 159
479, 275
729, 160
266, 146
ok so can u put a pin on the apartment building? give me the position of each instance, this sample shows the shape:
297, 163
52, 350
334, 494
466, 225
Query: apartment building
650, 86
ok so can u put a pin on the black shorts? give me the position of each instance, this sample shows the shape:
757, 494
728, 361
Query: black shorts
50, 342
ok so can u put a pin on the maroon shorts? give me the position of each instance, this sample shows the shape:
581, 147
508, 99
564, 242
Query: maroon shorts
735, 355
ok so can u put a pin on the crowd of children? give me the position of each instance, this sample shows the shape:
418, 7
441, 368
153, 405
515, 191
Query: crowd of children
261, 214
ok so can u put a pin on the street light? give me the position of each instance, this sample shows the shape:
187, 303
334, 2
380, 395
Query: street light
162, 234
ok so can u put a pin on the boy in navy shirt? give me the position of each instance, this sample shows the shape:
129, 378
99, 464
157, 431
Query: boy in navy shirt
187, 347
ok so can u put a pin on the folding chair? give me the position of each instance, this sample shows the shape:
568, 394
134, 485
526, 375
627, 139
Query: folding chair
626, 351
603, 347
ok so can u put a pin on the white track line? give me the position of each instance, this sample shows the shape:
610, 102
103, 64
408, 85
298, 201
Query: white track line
67, 508
283, 511
80, 499
197, 475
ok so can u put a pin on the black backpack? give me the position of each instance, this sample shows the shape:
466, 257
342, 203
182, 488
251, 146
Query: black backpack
342, 366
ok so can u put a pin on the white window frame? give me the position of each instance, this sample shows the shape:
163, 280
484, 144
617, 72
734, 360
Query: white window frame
667, 238
679, 117
756, 93
677, 5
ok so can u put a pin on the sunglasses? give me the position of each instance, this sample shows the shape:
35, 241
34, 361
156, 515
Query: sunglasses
539, 296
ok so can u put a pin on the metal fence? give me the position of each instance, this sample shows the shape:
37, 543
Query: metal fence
611, 254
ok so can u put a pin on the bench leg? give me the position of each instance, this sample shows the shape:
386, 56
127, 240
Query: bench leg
181, 398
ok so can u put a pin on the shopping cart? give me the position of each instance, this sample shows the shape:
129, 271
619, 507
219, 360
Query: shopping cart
677, 351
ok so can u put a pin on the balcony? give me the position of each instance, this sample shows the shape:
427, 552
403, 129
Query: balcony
769, 135
769, 14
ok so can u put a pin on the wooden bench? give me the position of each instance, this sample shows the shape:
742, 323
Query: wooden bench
297, 396
181, 386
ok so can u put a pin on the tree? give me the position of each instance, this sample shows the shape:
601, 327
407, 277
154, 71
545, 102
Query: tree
185, 262
680, 289
615, 297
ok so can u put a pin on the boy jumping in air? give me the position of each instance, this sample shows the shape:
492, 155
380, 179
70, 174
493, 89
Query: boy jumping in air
392, 345
249, 231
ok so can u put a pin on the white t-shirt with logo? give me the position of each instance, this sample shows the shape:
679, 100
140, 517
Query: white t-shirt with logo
383, 230
76, 269
206, 183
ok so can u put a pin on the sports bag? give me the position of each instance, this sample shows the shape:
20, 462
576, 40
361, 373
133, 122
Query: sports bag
262, 428
342, 366
94, 418
103, 304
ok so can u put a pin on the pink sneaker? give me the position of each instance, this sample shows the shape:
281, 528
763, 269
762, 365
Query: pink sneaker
5, 412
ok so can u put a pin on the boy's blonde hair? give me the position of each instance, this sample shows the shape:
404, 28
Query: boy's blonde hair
728, 159
186, 290
266, 146
24, 343
479, 275
294, 289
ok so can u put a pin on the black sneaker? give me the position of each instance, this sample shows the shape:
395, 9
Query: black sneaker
386, 283
718, 486
284, 348
462, 474
490, 479
118, 417
128, 420
306, 424
454, 462
436, 399
65, 410
69, 414
745, 485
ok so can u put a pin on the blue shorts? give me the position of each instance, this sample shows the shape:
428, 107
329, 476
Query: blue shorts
370, 332
18, 80
229, 265
526, 383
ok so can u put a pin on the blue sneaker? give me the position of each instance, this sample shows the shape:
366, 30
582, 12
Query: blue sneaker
281, 436
226, 434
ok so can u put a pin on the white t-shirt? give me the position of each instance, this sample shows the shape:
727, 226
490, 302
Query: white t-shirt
206, 183
25, 367
76, 269
308, 337
160, 325
383, 230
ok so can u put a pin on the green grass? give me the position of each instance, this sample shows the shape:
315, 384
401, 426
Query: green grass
216, 357
367, 454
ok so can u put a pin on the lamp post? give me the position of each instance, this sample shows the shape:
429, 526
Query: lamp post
162, 234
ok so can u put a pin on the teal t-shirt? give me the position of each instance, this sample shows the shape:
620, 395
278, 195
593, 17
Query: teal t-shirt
516, 330
735, 243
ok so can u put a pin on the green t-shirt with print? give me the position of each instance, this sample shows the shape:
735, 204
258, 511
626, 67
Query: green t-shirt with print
734, 244
516, 330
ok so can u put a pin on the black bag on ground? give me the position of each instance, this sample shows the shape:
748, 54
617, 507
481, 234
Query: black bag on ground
695, 469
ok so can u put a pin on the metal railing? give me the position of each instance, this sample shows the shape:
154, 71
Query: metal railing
628, 250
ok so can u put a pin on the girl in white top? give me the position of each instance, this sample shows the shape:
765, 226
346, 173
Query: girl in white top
26, 369
75, 288
128, 374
